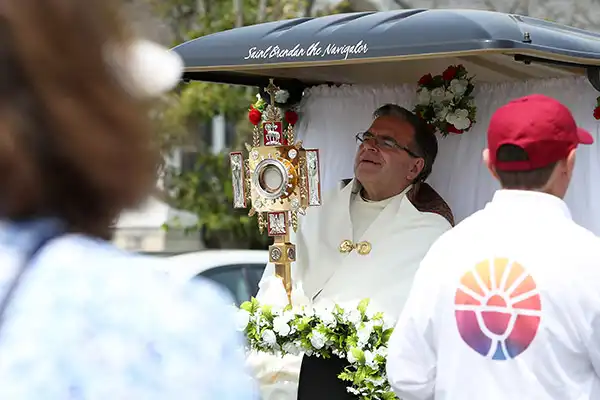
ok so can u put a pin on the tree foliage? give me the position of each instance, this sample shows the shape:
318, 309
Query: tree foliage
207, 190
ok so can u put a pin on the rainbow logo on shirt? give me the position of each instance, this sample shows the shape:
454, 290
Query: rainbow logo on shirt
497, 309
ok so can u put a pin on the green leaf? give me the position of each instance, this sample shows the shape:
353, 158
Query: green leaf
267, 311
247, 306
389, 396
362, 306
385, 337
358, 354
346, 376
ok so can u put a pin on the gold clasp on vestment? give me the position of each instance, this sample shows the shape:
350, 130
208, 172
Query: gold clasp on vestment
363, 248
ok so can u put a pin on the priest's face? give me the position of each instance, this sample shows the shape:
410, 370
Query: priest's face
387, 160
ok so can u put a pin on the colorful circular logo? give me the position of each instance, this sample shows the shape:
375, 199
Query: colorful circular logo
498, 309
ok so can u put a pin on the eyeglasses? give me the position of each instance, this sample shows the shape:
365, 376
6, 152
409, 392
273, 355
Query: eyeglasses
384, 142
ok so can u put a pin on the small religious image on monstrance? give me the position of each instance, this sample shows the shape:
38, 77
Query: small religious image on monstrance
278, 181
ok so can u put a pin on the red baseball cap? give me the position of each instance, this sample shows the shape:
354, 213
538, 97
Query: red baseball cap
542, 126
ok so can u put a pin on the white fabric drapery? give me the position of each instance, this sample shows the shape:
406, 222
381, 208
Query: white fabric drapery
330, 117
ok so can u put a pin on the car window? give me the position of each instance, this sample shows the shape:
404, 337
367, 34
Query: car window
232, 278
255, 273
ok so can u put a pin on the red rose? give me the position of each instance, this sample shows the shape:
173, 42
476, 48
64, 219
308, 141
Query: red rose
291, 117
450, 73
597, 112
452, 129
425, 79
254, 116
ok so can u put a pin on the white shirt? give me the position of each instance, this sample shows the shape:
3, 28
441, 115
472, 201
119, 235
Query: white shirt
544, 345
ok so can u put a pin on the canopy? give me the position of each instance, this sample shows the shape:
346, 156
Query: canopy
390, 48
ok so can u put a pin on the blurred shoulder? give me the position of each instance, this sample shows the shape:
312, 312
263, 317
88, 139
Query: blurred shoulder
114, 273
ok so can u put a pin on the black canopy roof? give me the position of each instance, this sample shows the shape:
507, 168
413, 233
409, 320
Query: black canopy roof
293, 49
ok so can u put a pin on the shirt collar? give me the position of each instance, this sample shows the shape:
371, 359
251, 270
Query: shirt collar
530, 201
357, 187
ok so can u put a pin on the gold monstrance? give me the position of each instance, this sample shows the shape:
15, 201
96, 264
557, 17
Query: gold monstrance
281, 180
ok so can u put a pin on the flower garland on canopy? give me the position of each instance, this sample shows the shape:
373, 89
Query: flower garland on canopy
446, 102
282, 100
358, 335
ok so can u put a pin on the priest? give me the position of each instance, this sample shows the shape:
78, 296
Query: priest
365, 241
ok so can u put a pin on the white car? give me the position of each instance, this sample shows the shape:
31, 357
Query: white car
238, 271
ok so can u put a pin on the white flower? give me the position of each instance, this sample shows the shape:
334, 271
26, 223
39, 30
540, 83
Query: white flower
351, 359
458, 87
423, 97
258, 96
287, 316
381, 351
364, 333
461, 113
281, 96
291, 348
281, 326
353, 317
242, 318
317, 339
338, 353
462, 123
459, 118
326, 316
370, 360
438, 94
448, 95
353, 391
377, 381
443, 113
268, 336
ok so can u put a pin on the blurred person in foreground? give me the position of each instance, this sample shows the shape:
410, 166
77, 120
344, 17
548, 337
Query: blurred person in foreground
85, 320
506, 305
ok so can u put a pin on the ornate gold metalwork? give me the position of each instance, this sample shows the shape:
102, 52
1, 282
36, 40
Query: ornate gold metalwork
280, 180
262, 223
363, 248
346, 246
294, 220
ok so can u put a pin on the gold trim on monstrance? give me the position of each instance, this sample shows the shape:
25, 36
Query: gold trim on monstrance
280, 180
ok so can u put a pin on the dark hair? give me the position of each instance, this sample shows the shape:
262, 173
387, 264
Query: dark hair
424, 138
526, 180
75, 145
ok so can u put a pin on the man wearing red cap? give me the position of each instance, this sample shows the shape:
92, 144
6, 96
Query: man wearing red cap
507, 304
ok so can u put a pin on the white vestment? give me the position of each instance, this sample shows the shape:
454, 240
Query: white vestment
400, 237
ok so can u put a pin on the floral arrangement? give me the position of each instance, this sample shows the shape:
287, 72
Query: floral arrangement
446, 102
356, 334
597, 108
282, 97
